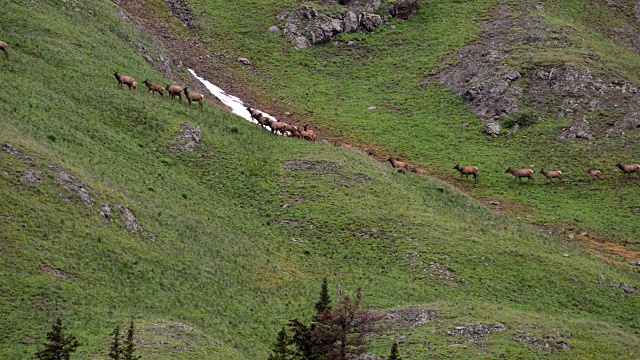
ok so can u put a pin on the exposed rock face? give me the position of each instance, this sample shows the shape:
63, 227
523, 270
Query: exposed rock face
310, 26
274, 30
189, 138
32, 176
404, 9
71, 183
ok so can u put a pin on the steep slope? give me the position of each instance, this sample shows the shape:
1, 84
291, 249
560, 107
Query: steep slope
573, 95
197, 246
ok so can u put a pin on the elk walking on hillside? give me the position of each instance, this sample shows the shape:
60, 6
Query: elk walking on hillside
127, 80
420, 171
193, 96
154, 88
4, 48
467, 170
522, 173
174, 90
398, 164
595, 174
629, 169
551, 174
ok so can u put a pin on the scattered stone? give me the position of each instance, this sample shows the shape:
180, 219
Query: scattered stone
571, 236
15, 152
56, 273
298, 240
549, 343
514, 129
493, 129
412, 317
565, 255
476, 332
71, 183
105, 212
404, 9
372, 107
244, 61
493, 202
129, 218
32, 176
181, 10
184, 327
274, 30
189, 138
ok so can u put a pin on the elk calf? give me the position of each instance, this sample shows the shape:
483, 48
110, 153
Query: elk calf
522, 173
398, 164
595, 174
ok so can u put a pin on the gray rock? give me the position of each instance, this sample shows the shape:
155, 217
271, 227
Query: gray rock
106, 211
351, 22
301, 42
370, 22
404, 9
70, 183
32, 176
129, 218
244, 61
274, 30
493, 129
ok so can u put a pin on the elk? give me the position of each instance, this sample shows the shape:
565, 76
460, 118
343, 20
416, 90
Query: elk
174, 90
154, 88
193, 96
467, 170
398, 164
420, 171
629, 169
307, 134
4, 48
134, 86
127, 80
595, 174
522, 173
551, 174
275, 125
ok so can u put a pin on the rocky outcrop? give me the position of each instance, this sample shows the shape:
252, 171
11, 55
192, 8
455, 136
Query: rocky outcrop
404, 9
309, 25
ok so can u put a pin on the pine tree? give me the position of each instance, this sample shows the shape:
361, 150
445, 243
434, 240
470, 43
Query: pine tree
129, 346
281, 350
395, 355
58, 345
115, 350
324, 301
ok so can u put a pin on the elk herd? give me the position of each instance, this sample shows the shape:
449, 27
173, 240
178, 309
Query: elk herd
173, 90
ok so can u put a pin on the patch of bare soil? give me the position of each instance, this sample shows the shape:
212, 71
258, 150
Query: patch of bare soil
443, 273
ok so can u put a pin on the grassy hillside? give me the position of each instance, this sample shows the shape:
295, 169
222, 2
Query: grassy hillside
332, 86
213, 271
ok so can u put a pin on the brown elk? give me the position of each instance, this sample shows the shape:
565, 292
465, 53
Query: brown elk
629, 169
277, 126
193, 96
4, 48
522, 173
307, 134
398, 164
420, 171
154, 88
174, 90
467, 170
127, 80
551, 174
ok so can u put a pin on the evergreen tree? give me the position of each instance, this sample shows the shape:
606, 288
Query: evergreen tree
129, 346
58, 345
324, 301
115, 350
301, 339
281, 350
395, 355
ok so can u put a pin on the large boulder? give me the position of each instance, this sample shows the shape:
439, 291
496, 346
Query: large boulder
371, 22
404, 9
324, 31
351, 22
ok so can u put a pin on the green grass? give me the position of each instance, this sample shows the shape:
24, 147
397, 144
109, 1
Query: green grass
224, 262
333, 88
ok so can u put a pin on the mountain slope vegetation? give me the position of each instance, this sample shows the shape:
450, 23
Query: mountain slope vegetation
104, 216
